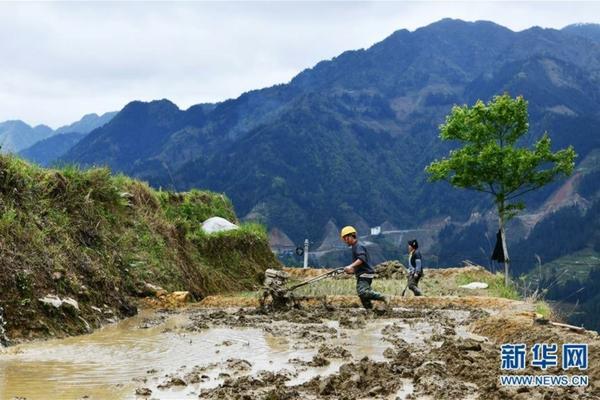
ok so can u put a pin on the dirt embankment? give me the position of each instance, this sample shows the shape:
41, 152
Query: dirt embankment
76, 246
349, 301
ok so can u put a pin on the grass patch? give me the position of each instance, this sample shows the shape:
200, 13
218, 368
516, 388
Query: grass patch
543, 308
496, 286
348, 287
432, 284
189, 210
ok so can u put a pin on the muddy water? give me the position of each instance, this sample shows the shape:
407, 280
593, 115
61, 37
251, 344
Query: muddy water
112, 362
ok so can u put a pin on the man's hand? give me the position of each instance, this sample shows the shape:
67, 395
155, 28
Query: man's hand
349, 269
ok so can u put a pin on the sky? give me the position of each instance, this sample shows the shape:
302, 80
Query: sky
61, 60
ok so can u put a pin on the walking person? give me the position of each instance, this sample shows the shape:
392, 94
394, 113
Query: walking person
362, 269
415, 267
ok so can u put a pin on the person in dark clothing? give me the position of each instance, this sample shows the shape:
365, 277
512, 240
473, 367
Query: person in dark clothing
415, 268
362, 269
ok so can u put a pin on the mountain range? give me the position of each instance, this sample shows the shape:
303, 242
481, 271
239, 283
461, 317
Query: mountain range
347, 140
16, 135
590, 31
43, 145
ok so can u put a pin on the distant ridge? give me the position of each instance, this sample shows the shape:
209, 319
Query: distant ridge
48, 149
347, 140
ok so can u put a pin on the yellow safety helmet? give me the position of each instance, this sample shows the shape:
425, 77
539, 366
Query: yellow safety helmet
347, 230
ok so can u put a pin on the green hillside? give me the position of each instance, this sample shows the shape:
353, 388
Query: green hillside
99, 238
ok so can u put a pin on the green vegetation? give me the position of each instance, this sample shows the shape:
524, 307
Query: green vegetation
544, 309
490, 161
187, 209
496, 284
432, 284
576, 266
99, 239
573, 283
348, 287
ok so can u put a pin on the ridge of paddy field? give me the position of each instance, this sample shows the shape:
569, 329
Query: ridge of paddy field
435, 282
441, 287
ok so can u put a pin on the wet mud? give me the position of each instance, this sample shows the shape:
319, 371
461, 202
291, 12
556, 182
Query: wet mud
442, 352
432, 354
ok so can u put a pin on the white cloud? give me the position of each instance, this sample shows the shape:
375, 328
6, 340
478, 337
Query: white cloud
63, 60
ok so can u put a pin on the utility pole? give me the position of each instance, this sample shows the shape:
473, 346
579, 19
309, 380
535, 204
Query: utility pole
305, 253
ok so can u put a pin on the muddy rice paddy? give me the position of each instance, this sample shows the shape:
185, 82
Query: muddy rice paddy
414, 351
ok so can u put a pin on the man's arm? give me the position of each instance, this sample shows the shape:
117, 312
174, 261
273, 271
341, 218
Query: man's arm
418, 268
349, 269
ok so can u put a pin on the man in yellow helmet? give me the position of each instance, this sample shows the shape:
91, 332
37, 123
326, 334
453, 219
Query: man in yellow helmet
361, 268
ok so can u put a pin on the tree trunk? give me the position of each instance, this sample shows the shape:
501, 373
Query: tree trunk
504, 247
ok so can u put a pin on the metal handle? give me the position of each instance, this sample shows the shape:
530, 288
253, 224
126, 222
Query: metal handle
316, 278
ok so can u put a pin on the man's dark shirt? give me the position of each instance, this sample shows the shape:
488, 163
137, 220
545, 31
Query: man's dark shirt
359, 252
412, 259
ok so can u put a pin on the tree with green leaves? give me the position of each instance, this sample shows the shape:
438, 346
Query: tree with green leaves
491, 161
